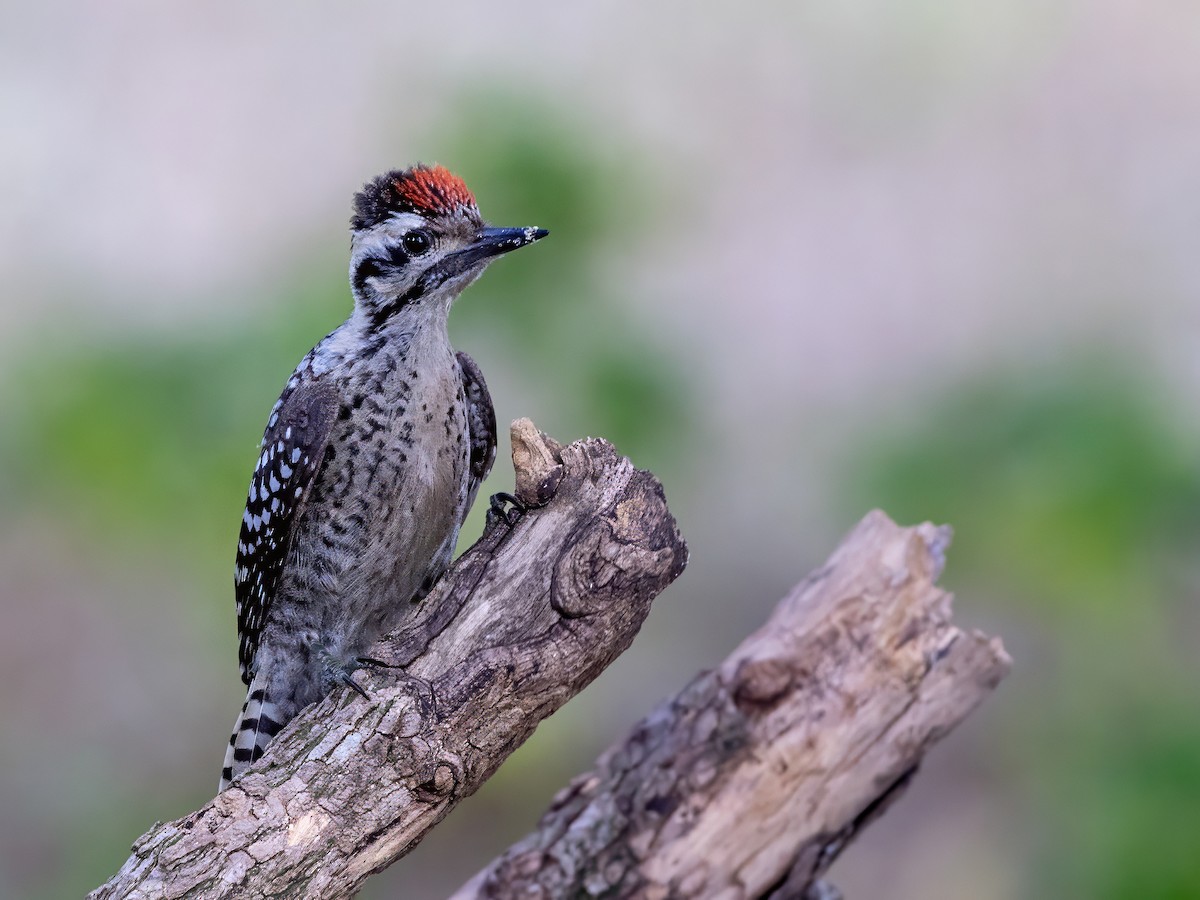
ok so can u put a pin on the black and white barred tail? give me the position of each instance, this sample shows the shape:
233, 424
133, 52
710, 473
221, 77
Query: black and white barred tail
257, 723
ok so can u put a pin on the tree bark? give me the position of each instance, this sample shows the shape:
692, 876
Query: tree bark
746, 785
751, 781
524, 620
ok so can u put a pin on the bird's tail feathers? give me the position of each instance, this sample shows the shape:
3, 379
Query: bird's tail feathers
258, 722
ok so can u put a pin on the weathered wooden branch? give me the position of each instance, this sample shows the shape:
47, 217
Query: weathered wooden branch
752, 780
524, 620
746, 785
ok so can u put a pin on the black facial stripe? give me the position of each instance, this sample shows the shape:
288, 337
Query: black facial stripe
384, 263
371, 267
380, 316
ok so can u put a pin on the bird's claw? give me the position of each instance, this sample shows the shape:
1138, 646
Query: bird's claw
373, 663
348, 680
335, 671
498, 510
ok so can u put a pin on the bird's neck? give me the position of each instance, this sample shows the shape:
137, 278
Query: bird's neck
419, 331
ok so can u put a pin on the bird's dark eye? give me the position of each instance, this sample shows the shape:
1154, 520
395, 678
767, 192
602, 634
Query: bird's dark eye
418, 241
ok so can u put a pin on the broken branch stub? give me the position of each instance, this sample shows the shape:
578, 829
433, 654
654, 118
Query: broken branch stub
753, 779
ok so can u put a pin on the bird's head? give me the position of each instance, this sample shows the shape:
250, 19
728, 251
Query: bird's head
418, 240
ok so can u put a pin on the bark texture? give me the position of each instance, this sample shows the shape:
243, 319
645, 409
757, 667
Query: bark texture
752, 780
746, 785
524, 620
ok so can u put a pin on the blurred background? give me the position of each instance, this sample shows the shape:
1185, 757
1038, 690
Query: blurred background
806, 260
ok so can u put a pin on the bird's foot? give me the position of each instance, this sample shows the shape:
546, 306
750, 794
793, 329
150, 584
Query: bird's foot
335, 672
499, 511
348, 679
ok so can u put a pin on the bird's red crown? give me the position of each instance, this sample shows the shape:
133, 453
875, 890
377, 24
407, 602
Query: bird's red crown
433, 189
427, 190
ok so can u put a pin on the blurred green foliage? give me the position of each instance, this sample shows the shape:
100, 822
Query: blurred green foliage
1076, 507
152, 436
1066, 483
1124, 822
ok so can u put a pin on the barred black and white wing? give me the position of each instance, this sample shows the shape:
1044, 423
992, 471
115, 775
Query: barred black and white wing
292, 453
293, 450
481, 426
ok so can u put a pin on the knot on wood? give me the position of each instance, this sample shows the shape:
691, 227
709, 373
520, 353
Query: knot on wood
634, 547
762, 682
581, 581
441, 780
405, 716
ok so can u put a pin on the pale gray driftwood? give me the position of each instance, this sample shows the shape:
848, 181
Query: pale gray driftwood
751, 781
523, 621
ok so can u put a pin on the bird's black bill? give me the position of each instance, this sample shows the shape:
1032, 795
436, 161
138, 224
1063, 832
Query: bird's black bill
494, 241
